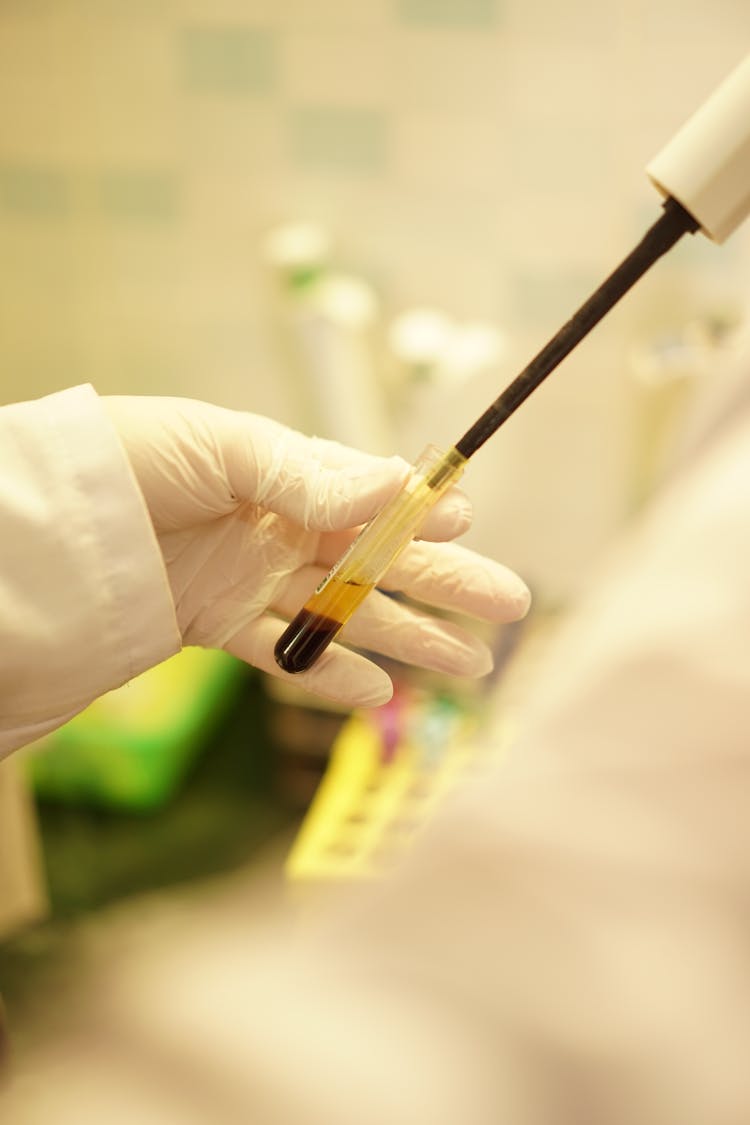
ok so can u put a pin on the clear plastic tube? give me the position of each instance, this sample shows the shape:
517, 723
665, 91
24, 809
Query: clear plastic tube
365, 562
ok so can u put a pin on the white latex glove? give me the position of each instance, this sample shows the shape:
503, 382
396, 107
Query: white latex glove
250, 515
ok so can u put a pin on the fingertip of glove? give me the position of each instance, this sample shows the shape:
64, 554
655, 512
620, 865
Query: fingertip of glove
377, 694
452, 516
463, 513
520, 599
502, 599
349, 678
479, 663
452, 650
390, 469
353, 495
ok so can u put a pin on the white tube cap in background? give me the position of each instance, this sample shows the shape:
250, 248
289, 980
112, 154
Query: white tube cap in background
706, 165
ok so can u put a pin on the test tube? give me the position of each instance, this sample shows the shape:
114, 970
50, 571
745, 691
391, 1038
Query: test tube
370, 555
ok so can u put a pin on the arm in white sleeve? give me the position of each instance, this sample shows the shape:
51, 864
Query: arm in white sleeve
131, 523
84, 600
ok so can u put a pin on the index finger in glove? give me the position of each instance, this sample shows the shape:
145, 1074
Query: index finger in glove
450, 517
321, 484
292, 475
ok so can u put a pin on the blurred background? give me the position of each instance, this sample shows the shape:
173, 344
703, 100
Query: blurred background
391, 204
481, 157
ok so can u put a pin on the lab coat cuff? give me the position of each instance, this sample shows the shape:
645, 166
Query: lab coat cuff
141, 622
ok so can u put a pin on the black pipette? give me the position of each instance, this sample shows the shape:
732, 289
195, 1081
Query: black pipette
665, 232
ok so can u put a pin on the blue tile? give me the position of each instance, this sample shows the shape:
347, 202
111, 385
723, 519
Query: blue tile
228, 59
337, 138
138, 195
34, 189
454, 13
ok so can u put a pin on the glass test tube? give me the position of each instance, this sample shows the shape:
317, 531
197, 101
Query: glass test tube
365, 562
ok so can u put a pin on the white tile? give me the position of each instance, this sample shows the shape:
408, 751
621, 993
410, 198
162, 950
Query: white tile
229, 135
557, 82
451, 151
79, 91
586, 23
332, 67
335, 15
450, 71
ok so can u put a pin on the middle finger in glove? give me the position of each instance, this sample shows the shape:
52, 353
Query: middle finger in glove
448, 576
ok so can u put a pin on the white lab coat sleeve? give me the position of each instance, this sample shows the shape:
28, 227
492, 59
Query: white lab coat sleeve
85, 603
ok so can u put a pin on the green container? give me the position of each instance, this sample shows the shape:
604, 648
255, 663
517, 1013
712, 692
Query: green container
131, 748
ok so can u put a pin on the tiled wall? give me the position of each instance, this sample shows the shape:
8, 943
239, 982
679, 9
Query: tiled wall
482, 155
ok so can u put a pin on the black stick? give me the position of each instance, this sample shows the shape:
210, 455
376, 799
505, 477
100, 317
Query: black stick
668, 229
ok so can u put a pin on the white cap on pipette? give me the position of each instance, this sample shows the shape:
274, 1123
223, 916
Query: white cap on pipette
706, 165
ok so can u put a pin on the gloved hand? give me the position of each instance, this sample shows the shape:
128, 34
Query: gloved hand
250, 515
